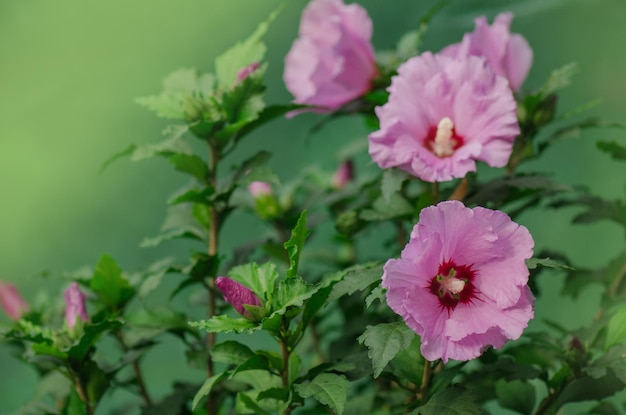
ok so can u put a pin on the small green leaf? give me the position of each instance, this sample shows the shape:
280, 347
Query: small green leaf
517, 395
451, 401
384, 342
260, 279
91, 335
396, 207
616, 329
231, 352
392, 183
295, 244
225, 324
328, 389
560, 78
378, 293
533, 263
292, 292
206, 388
229, 63
190, 164
356, 278
112, 287
616, 151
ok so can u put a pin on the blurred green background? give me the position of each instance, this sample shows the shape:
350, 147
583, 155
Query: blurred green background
70, 70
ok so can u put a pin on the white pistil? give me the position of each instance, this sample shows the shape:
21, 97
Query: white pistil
453, 285
443, 145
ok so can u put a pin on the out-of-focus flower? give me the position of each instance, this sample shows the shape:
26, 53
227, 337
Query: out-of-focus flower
443, 114
343, 175
237, 294
509, 54
332, 61
461, 281
75, 305
11, 301
258, 189
265, 204
245, 72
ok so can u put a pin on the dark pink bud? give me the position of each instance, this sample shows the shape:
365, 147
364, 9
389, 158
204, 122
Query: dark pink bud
11, 301
237, 294
75, 305
343, 175
245, 72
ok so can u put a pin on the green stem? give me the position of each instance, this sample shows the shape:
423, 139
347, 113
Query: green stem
426, 375
284, 351
436, 193
143, 391
80, 390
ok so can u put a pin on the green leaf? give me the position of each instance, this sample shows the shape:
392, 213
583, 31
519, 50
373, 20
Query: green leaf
517, 395
255, 362
295, 244
396, 207
229, 63
451, 401
179, 223
260, 279
90, 336
576, 281
327, 388
560, 78
292, 292
616, 329
392, 183
379, 293
190, 164
533, 263
384, 342
193, 196
112, 287
616, 151
231, 352
206, 388
225, 324
356, 278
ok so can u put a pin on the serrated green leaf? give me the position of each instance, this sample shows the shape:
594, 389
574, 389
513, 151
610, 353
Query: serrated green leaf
378, 293
295, 244
225, 324
382, 210
356, 278
190, 164
292, 292
260, 279
112, 288
256, 362
384, 342
613, 360
451, 401
533, 263
46, 349
91, 335
560, 78
328, 389
206, 388
231, 352
392, 183
517, 395
616, 329
616, 151
229, 63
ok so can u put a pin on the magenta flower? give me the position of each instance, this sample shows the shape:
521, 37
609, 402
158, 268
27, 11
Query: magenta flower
246, 71
343, 175
461, 281
508, 54
11, 301
258, 189
443, 115
75, 305
332, 61
237, 294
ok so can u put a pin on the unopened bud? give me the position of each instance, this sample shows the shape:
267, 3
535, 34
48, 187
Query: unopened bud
11, 301
74, 305
237, 295
246, 71
343, 175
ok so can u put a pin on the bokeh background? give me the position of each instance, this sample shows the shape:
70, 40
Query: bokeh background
70, 70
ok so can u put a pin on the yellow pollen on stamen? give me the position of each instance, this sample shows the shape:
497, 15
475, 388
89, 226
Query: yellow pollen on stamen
443, 145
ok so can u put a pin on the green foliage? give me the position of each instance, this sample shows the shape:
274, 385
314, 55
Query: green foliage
517, 395
328, 389
384, 342
295, 243
356, 278
615, 150
533, 263
108, 282
451, 401
616, 329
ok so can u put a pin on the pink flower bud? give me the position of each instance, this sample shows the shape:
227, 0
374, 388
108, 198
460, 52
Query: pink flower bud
237, 294
258, 189
11, 301
343, 175
75, 305
246, 71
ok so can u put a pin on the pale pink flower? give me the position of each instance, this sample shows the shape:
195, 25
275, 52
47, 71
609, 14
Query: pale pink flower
75, 305
461, 281
332, 61
245, 72
442, 115
258, 189
237, 294
508, 54
11, 301
343, 175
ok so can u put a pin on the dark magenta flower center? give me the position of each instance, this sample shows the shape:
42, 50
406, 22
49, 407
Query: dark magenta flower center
442, 140
453, 284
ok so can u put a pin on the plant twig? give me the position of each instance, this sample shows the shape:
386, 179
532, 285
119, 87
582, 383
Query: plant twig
143, 390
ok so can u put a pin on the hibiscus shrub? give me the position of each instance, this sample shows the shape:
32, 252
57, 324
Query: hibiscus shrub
429, 317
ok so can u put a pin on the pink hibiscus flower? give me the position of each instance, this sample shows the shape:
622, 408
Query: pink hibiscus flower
461, 281
442, 115
332, 61
508, 54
